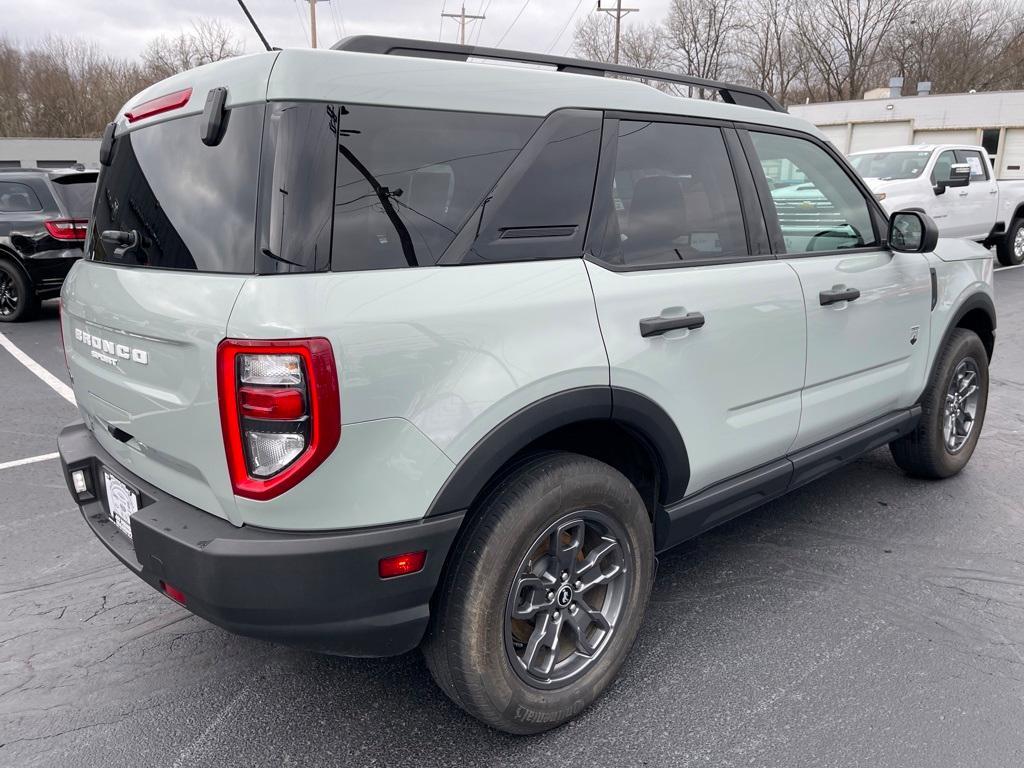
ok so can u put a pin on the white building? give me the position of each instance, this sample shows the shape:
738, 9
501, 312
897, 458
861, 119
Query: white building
49, 153
994, 120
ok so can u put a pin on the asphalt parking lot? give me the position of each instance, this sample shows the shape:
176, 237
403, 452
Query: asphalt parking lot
865, 620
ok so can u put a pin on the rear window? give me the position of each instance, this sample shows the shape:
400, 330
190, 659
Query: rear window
76, 192
192, 206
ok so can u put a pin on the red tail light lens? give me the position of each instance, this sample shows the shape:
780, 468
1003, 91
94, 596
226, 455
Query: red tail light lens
272, 403
159, 105
67, 229
173, 592
280, 411
400, 565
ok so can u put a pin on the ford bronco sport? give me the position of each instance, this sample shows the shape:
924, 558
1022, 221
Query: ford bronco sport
386, 346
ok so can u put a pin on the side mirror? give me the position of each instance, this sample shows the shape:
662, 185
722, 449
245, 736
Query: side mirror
959, 176
912, 232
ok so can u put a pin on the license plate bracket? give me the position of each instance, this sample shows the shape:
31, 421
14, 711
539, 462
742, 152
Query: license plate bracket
122, 502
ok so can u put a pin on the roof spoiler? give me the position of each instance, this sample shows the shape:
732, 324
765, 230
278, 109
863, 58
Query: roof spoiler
396, 46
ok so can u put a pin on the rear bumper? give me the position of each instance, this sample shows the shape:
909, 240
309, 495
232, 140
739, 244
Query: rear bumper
316, 590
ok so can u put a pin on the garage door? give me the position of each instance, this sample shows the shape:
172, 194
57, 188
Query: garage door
1011, 160
961, 136
836, 134
876, 135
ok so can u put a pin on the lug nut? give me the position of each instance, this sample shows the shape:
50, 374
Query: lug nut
565, 575
579, 585
573, 608
551, 595
555, 615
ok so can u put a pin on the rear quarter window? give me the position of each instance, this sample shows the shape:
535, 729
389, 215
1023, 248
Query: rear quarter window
18, 198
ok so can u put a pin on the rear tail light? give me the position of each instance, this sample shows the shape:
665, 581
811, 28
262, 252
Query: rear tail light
159, 105
67, 229
280, 411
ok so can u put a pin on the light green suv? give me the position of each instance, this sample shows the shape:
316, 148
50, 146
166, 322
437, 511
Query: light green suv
387, 346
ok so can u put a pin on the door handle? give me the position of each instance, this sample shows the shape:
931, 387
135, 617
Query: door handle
655, 326
836, 295
962, 194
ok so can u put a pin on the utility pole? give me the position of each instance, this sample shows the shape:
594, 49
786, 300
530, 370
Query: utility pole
618, 12
312, 20
463, 19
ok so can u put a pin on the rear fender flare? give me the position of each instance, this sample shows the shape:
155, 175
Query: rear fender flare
625, 407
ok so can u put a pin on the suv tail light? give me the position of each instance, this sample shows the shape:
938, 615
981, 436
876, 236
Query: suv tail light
280, 411
67, 229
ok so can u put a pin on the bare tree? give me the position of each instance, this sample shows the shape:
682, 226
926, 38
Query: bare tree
641, 45
845, 40
702, 36
771, 56
207, 41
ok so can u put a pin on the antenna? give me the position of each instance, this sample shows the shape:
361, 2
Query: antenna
255, 26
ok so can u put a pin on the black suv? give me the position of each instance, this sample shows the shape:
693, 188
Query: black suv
44, 215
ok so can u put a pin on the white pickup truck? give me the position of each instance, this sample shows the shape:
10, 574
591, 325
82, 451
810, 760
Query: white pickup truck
956, 186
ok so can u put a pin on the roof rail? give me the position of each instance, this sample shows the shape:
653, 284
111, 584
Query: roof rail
397, 46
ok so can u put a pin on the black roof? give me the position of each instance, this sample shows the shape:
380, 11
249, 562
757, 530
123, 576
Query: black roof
730, 93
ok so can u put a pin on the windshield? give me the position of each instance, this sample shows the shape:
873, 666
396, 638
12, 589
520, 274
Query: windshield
77, 192
891, 165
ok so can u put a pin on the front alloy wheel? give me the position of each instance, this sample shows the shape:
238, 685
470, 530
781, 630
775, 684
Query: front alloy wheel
566, 599
961, 407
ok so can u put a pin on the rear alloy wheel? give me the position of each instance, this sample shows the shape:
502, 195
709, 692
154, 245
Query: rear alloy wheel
1010, 249
16, 301
566, 599
543, 595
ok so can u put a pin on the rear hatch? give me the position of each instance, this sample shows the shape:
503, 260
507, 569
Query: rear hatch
141, 322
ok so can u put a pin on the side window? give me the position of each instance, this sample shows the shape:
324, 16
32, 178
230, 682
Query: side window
539, 209
943, 164
406, 180
18, 198
674, 197
818, 205
973, 158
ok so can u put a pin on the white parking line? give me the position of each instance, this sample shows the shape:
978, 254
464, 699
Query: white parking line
29, 460
1003, 269
48, 378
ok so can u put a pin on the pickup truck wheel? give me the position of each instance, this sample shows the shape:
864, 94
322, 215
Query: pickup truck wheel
952, 411
544, 594
1010, 249
16, 298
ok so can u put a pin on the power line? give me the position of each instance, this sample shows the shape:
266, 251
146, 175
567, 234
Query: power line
564, 26
440, 27
502, 38
302, 22
482, 10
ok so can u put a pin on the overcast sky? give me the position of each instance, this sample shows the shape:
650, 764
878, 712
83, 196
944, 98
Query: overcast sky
124, 26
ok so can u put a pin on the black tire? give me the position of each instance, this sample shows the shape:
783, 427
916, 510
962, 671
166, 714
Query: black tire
925, 451
17, 299
471, 646
1009, 251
